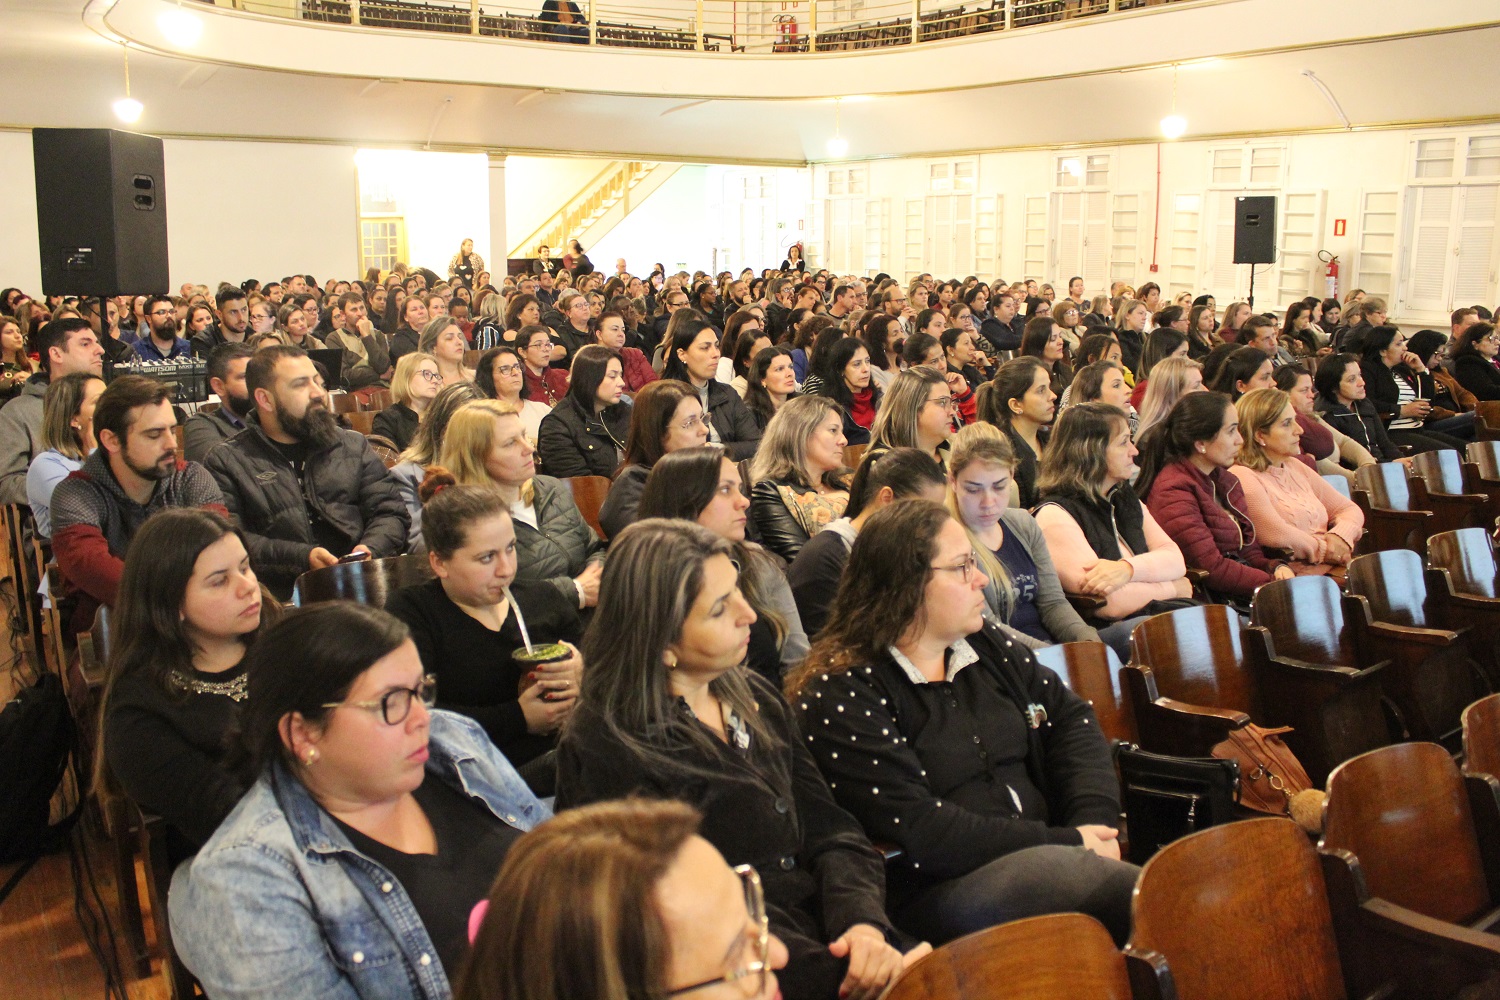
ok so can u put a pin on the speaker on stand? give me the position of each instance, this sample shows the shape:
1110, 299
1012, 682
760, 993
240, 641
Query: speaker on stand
1254, 233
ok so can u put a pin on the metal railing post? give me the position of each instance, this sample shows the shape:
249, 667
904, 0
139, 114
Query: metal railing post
593, 24
812, 25
916, 19
1010, 14
698, 24
353, 11
473, 17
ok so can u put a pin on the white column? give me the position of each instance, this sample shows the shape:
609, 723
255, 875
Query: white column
499, 238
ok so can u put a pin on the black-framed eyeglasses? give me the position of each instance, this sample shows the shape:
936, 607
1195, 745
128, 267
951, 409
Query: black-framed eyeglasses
508, 370
395, 705
754, 972
430, 376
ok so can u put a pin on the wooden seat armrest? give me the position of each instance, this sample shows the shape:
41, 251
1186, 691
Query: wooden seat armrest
1336, 670
1199, 577
1085, 604
1455, 940
1150, 978
1223, 718
1410, 633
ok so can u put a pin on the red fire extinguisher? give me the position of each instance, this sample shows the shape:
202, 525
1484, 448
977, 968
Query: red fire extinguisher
1330, 274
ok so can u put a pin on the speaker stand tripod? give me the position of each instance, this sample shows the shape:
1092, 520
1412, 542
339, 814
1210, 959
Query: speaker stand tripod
1251, 300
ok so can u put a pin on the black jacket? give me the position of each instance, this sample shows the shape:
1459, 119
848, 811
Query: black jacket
779, 530
1000, 336
1381, 389
397, 422
1362, 424
204, 432
570, 340
1131, 346
1477, 375
346, 482
621, 504
404, 341
574, 443
738, 431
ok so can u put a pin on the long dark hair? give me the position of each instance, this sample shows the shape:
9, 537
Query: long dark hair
756, 396
650, 418
1160, 343
877, 331
309, 659
1012, 381
1240, 365
882, 592
1195, 417
587, 374
688, 330
831, 364
484, 373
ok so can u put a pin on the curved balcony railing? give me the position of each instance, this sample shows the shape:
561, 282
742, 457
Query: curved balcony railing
727, 26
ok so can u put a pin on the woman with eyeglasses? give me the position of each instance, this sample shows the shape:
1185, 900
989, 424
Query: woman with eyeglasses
350, 867
669, 711
917, 413
1401, 389
667, 416
693, 357
500, 375
800, 482
414, 386
590, 880
585, 433
942, 735
1474, 360
262, 317
543, 382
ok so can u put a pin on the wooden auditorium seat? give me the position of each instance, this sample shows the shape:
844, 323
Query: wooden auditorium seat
371, 581
1392, 521
1438, 486
588, 494
1092, 671
1482, 737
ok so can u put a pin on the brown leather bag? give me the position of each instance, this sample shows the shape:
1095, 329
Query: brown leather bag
1270, 774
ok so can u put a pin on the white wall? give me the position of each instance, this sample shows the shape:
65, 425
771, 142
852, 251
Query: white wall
443, 197
536, 187
671, 226
20, 263
237, 210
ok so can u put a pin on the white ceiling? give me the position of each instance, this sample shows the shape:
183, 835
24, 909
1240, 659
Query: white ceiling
1387, 61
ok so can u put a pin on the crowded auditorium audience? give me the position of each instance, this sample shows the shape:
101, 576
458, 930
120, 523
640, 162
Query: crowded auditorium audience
750, 577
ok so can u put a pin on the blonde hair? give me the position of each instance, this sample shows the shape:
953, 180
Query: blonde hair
406, 370
783, 448
1167, 384
981, 442
469, 438
1258, 409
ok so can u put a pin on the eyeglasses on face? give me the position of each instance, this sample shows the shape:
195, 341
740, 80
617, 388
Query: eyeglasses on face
942, 402
508, 370
752, 977
692, 422
395, 705
965, 569
429, 375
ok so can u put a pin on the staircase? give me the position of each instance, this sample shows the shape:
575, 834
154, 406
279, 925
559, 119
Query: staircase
600, 206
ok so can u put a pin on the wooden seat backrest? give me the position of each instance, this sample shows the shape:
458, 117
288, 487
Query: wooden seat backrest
1196, 656
362, 421
379, 400
853, 453
1482, 736
370, 582
1486, 456
345, 402
1092, 671
1488, 412
1403, 811
588, 494
471, 358
1393, 583
1340, 485
1305, 620
1442, 471
1385, 484
1240, 912
1064, 955
1469, 557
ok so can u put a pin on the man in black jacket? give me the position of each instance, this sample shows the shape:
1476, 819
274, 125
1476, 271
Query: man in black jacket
233, 323
305, 493
226, 378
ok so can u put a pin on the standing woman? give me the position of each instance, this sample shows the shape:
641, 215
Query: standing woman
1023, 593
794, 261
15, 366
703, 485
800, 482
585, 433
466, 622
1185, 478
485, 445
543, 382
666, 417
350, 866
669, 711
188, 610
693, 357
940, 748
67, 438
1020, 401
442, 339
917, 413
501, 375
1327, 447
1294, 511
465, 264
608, 329
414, 387
771, 382
848, 382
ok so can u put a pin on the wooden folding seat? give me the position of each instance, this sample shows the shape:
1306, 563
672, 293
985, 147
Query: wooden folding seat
1482, 468
1250, 911
853, 453
362, 421
1340, 485
1438, 486
588, 495
1425, 836
371, 581
1092, 671
1434, 673
1196, 675
1392, 521
1064, 956
379, 400
345, 402
1482, 737
1487, 420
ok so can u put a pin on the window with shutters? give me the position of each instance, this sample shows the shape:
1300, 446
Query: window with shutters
1080, 237
944, 176
989, 218
1298, 232
1182, 269
877, 232
1375, 259
1257, 165
1450, 220
1125, 228
1236, 170
915, 264
843, 218
949, 234
1035, 262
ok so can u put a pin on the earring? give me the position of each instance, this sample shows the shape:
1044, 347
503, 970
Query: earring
310, 756
670, 659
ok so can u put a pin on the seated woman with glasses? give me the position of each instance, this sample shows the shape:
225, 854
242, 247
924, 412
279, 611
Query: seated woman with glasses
500, 375
543, 382
350, 867
425, 449
945, 737
1474, 360
669, 711
917, 413
414, 387
470, 620
585, 433
667, 416
801, 483
591, 880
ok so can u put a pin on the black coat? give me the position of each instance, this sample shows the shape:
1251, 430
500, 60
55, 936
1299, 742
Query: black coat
574, 443
397, 422
1363, 424
1477, 375
1381, 389
348, 484
733, 420
779, 530
404, 341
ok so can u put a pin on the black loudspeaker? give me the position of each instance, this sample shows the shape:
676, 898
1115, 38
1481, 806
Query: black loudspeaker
101, 211
1255, 230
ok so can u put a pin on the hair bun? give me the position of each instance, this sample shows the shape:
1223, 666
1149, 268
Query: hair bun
434, 482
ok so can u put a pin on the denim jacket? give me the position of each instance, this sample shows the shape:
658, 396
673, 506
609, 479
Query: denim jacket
279, 904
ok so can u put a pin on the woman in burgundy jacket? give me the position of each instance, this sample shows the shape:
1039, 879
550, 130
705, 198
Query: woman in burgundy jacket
1186, 483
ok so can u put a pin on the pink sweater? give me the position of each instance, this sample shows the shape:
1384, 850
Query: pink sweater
1292, 508
1160, 573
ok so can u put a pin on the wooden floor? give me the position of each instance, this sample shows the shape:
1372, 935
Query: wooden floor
43, 954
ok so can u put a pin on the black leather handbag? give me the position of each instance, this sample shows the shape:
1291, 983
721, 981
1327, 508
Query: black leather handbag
1170, 797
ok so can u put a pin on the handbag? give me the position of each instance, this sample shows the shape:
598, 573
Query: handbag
1168, 797
1270, 774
